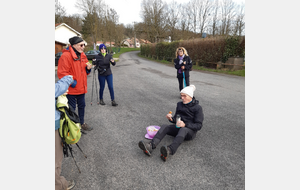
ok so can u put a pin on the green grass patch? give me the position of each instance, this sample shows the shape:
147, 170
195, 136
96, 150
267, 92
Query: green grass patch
195, 67
124, 50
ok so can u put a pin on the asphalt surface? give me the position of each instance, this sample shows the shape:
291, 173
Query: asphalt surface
146, 91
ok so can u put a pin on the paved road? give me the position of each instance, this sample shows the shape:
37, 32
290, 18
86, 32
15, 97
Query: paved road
146, 91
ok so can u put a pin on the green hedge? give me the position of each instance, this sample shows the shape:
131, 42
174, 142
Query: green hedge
203, 51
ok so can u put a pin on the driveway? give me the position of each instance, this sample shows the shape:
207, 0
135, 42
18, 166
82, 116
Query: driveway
146, 91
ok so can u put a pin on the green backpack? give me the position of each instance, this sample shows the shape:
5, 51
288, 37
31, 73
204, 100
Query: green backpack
69, 130
69, 121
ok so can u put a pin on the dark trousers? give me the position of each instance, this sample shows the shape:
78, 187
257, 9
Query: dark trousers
109, 80
80, 100
180, 135
180, 81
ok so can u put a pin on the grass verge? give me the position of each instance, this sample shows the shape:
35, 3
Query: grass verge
201, 68
123, 50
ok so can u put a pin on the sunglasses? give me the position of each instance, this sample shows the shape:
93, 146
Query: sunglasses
82, 45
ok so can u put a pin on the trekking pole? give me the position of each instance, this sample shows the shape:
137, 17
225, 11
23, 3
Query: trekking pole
74, 158
81, 150
92, 87
97, 91
184, 83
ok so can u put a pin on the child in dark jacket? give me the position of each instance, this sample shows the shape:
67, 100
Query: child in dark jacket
191, 118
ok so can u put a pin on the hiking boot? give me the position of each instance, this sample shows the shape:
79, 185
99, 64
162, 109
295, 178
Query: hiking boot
146, 147
113, 103
101, 102
82, 131
165, 152
71, 184
86, 127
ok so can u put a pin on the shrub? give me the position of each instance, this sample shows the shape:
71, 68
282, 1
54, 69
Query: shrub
204, 51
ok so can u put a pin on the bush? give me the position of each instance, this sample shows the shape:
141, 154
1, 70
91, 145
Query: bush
161, 51
203, 51
235, 47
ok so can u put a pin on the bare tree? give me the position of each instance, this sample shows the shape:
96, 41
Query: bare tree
205, 7
111, 20
119, 35
153, 15
239, 23
74, 21
193, 9
60, 12
173, 19
214, 17
185, 21
93, 18
227, 16
90, 20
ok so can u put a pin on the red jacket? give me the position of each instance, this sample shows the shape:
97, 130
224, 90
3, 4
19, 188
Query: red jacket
68, 65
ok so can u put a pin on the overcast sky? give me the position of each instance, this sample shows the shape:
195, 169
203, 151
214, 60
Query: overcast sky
128, 10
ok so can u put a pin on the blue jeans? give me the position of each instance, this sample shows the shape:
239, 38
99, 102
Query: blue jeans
109, 80
80, 100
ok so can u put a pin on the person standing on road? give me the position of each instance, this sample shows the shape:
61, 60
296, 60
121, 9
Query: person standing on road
102, 62
74, 62
182, 63
61, 87
185, 128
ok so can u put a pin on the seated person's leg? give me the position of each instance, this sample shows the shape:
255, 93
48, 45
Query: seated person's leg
183, 134
162, 132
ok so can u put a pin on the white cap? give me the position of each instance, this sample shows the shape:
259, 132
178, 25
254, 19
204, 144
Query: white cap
189, 90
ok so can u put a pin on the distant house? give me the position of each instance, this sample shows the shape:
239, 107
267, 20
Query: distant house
127, 42
63, 33
145, 41
130, 42
137, 42
107, 44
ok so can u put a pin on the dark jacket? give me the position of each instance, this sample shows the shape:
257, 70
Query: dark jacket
191, 114
188, 66
103, 63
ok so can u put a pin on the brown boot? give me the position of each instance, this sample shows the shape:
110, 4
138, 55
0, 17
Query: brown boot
165, 152
86, 127
146, 147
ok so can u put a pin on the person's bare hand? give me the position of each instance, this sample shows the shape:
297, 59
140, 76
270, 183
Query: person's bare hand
89, 66
67, 90
180, 124
169, 117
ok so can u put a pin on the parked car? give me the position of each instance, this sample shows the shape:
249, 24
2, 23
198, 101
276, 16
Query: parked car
57, 56
92, 54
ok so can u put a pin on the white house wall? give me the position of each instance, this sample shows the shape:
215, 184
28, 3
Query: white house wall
63, 34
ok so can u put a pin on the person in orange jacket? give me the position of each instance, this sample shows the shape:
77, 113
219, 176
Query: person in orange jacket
74, 62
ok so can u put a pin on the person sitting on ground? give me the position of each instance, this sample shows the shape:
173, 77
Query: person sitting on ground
185, 129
